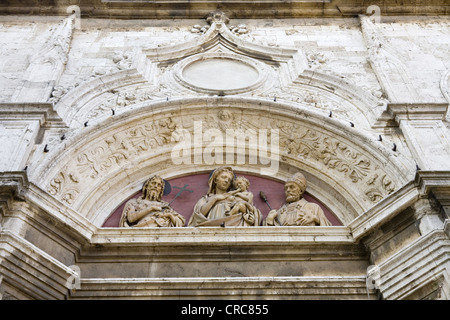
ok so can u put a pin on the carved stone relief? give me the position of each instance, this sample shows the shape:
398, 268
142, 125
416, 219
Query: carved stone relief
46, 64
236, 29
150, 139
160, 81
315, 59
336, 155
111, 152
297, 211
64, 186
118, 99
150, 210
228, 202
278, 71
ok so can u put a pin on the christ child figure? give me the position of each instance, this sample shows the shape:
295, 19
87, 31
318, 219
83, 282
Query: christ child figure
244, 198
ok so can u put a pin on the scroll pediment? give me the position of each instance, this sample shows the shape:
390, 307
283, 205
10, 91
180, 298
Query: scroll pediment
219, 61
219, 40
219, 37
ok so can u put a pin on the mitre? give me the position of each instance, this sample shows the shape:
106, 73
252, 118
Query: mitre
299, 179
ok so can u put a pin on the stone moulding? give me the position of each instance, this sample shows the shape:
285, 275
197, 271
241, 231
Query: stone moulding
384, 210
424, 184
417, 111
242, 9
219, 35
156, 68
43, 112
345, 287
97, 98
220, 39
423, 262
357, 229
61, 213
41, 275
384, 60
213, 236
367, 105
85, 232
181, 67
45, 219
435, 183
129, 144
74, 106
13, 183
168, 246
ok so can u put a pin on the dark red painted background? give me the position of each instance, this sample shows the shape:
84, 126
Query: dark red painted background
198, 183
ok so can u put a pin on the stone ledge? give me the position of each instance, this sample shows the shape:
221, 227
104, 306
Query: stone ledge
436, 183
30, 270
423, 261
384, 210
433, 181
43, 112
200, 236
13, 183
417, 111
140, 9
345, 287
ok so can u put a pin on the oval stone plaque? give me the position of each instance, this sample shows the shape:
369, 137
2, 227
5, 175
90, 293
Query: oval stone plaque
220, 74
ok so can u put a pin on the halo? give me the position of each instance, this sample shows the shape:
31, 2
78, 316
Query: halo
167, 187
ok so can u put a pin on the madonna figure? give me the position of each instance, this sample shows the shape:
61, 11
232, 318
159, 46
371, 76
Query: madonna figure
223, 206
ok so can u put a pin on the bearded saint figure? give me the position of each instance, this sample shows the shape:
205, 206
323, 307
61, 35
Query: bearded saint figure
149, 210
297, 211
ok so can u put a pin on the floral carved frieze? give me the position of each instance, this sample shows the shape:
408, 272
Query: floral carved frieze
320, 101
118, 99
109, 153
123, 98
336, 155
331, 152
64, 186
150, 139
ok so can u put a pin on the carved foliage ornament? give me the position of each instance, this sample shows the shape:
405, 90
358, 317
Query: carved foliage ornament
95, 162
298, 143
334, 154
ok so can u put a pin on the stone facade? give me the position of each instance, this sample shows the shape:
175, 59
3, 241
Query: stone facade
90, 108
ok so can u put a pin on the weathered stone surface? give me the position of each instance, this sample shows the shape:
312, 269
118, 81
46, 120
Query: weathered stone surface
91, 108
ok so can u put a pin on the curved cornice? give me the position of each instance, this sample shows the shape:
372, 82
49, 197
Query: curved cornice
112, 156
71, 103
219, 37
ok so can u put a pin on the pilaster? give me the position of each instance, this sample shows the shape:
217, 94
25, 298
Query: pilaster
21, 127
426, 135
46, 65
